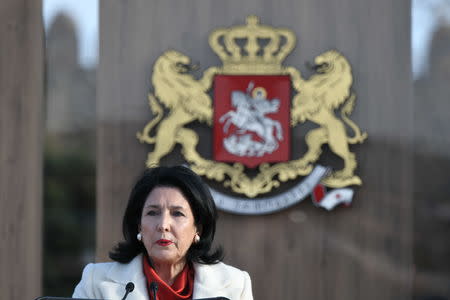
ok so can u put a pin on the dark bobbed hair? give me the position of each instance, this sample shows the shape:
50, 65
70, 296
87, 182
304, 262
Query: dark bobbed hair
200, 200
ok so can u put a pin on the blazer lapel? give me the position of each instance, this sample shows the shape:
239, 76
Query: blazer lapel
118, 277
210, 281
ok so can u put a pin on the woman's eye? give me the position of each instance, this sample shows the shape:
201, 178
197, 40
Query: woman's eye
178, 214
152, 213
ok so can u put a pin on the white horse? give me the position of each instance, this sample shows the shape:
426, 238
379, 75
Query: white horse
250, 116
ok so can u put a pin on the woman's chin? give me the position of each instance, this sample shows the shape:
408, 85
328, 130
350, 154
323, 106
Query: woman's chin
164, 258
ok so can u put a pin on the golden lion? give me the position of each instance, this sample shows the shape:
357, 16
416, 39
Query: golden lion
315, 101
187, 100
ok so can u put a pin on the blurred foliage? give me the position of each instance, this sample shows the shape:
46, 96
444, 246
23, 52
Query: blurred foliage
69, 212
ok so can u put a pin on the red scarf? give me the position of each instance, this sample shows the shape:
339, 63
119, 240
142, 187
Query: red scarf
181, 289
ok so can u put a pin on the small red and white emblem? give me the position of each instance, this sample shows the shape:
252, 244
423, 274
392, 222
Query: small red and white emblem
330, 200
251, 119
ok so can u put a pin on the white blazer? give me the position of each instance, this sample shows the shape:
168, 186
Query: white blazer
108, 280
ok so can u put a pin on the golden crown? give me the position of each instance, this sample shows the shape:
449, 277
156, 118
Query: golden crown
252, 48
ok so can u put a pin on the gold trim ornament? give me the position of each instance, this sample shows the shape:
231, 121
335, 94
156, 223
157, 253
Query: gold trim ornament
252, 57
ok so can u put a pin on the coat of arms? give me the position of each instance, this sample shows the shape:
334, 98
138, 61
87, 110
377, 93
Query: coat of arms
252, 102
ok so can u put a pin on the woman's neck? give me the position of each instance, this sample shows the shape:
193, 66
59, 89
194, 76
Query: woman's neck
168, 272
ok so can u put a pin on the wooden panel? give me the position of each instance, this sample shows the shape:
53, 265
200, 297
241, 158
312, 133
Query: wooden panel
362, 252
21, 94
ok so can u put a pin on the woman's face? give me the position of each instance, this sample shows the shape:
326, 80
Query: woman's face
167, 225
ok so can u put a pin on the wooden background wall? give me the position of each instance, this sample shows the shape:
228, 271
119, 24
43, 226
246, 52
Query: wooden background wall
362, 252
21, 94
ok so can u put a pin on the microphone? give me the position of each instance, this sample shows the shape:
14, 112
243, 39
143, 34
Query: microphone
128, 289
154, 289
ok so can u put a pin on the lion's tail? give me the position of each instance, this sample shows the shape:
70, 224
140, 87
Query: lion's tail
158, 112
346, 110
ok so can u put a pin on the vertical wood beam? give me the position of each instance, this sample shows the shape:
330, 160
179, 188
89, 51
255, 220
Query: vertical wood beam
21, 94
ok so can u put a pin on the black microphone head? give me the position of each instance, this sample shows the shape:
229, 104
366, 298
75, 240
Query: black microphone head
129, 287
153, 286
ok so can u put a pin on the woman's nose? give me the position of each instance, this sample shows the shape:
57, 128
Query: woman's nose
164, 223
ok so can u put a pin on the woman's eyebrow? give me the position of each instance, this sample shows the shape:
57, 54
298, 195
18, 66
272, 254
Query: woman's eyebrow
152, 206
176, 207
170, 207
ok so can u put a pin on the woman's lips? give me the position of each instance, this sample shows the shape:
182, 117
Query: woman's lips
164, 243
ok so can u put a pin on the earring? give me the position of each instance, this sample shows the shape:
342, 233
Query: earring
196, 238
139, 236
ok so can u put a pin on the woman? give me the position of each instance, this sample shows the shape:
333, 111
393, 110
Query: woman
168, 226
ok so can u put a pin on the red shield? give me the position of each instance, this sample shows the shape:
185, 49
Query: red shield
251, 119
